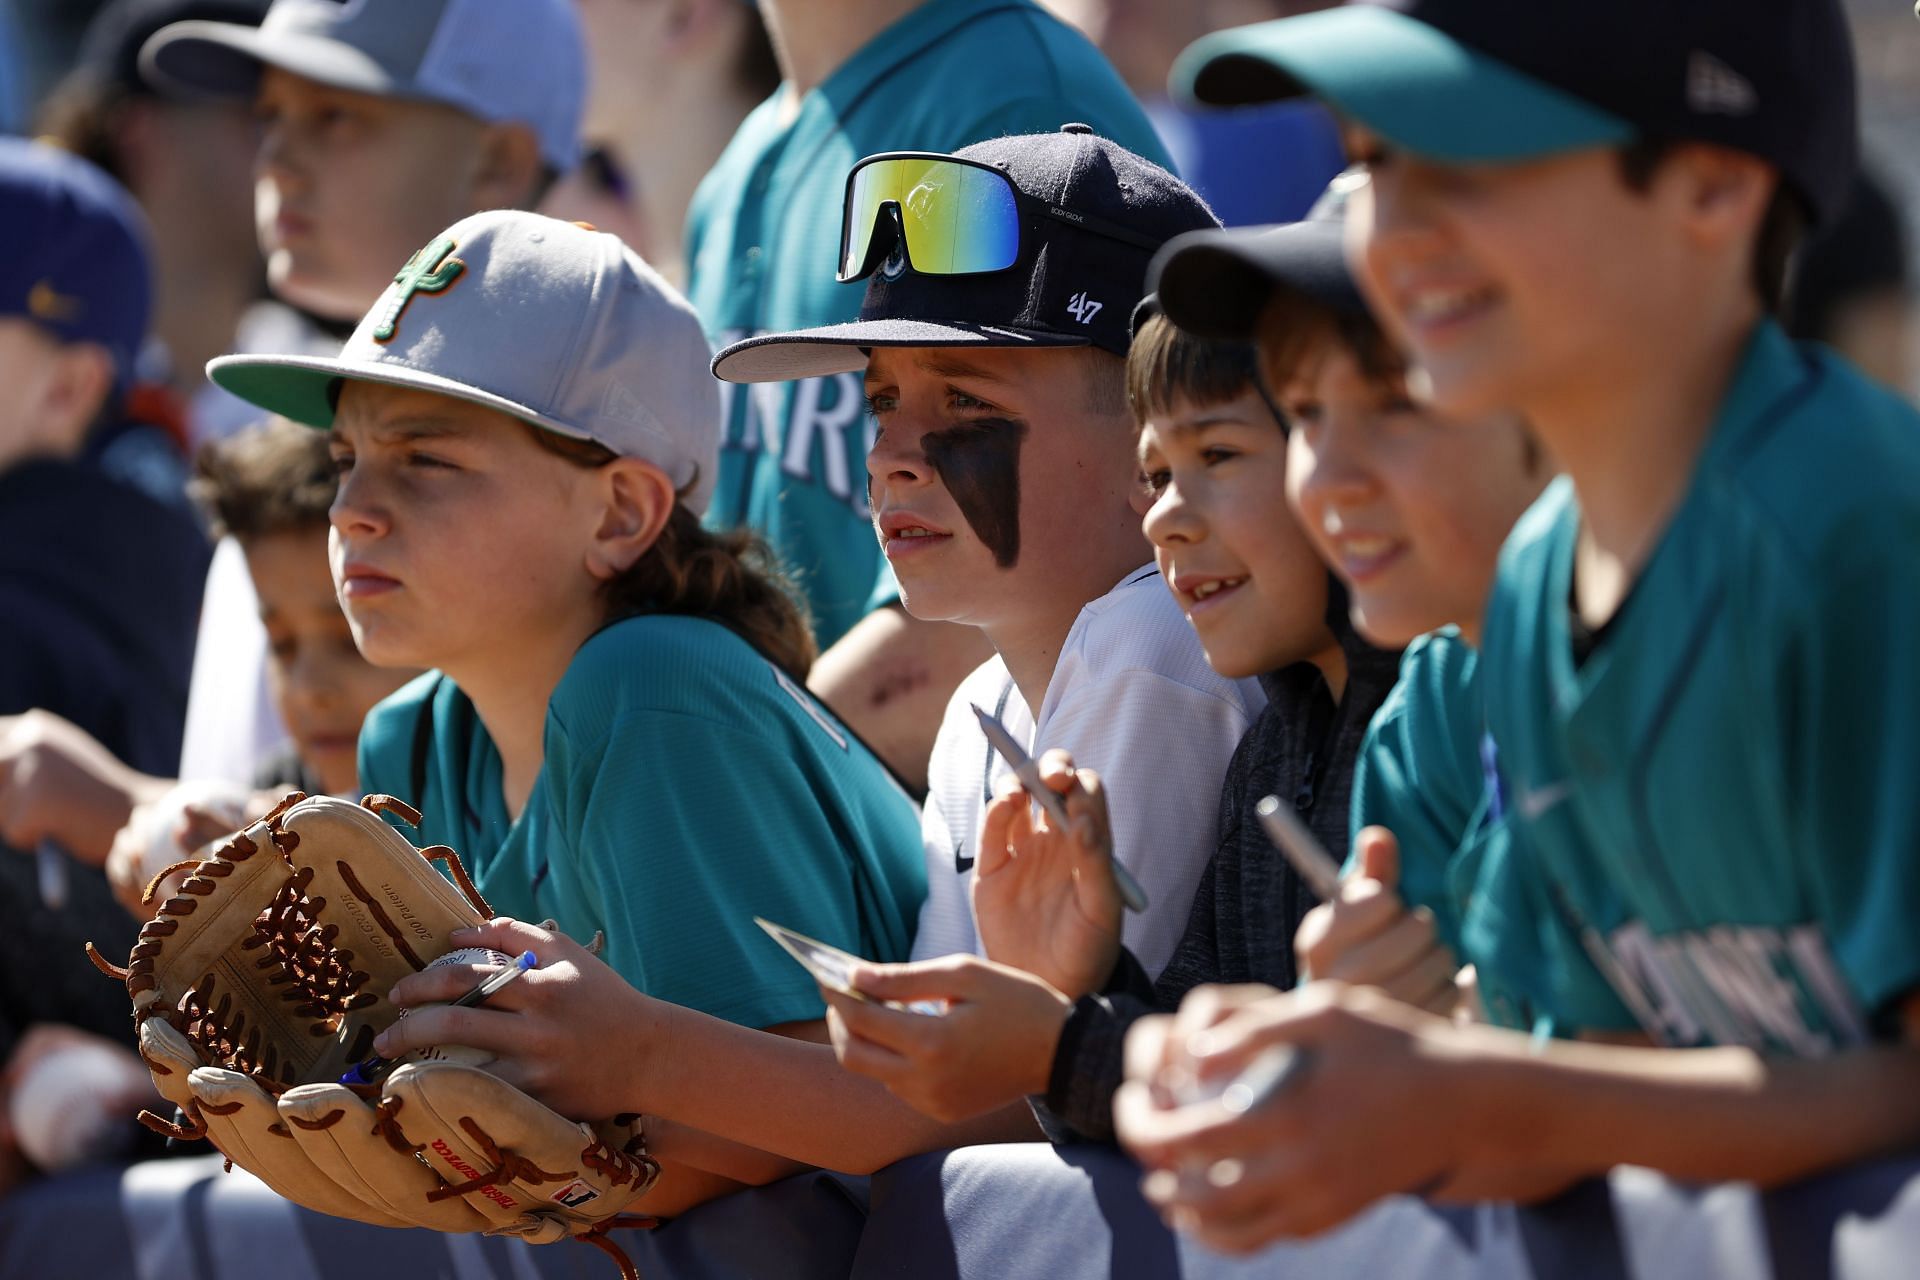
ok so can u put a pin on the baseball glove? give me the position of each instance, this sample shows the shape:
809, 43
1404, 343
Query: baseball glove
264, 979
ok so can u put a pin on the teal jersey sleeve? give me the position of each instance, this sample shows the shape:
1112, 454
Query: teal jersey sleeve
1427, 772
713, 791
1420, 775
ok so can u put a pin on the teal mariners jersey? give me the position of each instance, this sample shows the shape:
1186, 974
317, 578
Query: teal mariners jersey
763, 242
1424, 773
1720, 801
689, 785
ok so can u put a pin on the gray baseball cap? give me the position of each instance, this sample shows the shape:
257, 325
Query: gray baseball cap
552, 322
522, 61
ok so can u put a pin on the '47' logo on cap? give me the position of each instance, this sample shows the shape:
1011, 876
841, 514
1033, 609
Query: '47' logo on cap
1083, 308
432, 270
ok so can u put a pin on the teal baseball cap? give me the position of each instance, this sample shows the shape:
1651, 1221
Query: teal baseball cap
1492, 81
1412, 83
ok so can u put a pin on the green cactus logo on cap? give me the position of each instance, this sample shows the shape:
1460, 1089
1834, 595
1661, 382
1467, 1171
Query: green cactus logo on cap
432, 270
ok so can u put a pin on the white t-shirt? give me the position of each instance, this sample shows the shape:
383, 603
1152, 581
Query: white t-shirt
232, 724
1132, 696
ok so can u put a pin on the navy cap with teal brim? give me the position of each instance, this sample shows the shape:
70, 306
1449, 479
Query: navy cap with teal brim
1492, 81
1216, 284
1411, 83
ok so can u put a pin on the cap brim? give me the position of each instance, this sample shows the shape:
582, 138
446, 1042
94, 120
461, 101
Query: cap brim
223, 60
1411, 83
300, 388
842, 348
1215, 284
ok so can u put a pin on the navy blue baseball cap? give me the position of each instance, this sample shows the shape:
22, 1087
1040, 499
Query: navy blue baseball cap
75, 260
1094, 214
1470, 81
1216, 284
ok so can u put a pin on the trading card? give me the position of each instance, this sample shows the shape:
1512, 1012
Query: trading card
832, 968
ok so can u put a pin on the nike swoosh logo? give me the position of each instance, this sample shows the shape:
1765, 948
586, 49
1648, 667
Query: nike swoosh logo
1532, 804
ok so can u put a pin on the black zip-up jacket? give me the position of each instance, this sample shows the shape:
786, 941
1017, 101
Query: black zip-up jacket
1250, 900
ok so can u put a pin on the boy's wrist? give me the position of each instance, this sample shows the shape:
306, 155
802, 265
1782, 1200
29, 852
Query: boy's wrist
1053, 1024
635, 1074
1486, 1082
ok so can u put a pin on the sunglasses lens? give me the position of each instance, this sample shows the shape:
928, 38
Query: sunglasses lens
958, 219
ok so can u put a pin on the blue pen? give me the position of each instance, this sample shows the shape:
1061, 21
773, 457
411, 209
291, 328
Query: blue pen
370, 1070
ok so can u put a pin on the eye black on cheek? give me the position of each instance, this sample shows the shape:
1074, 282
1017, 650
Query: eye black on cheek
980, 465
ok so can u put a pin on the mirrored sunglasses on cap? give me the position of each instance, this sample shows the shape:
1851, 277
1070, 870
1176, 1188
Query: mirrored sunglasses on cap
956, 217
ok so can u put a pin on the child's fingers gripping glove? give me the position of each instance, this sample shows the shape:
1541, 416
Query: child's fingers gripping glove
264, 979
449, 1146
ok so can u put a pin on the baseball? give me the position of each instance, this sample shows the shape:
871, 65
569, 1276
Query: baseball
70, 1106
458, 1054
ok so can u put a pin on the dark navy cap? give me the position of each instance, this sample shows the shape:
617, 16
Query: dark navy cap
110, 50
1216, 284
1071, 286
1466, 81
75, 257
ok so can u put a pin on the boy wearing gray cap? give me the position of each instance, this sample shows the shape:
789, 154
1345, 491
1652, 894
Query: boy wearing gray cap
383, 122
615, 736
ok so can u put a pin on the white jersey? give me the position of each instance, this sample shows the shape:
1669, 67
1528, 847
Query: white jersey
1131, 696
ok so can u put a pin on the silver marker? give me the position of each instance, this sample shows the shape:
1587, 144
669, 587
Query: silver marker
1262, 1078
1300, 848
1048, 799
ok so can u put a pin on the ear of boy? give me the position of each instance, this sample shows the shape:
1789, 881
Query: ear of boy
1726, 193
636, 501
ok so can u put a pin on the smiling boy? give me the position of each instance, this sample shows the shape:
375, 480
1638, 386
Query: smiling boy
1411, 508
1704, 767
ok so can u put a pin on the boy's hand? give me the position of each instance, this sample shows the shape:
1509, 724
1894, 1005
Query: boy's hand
58, 783
159, 834
571, 1033
1374, 1112
992, 1047
1045, 900
1367, 937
